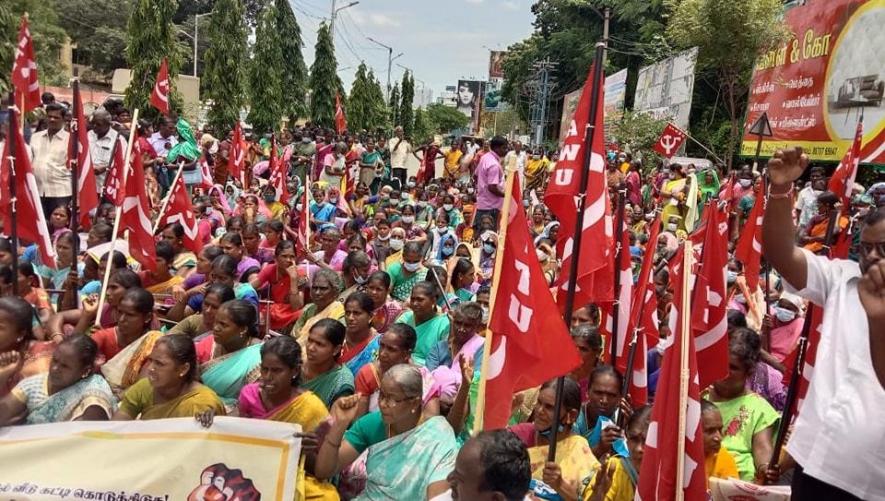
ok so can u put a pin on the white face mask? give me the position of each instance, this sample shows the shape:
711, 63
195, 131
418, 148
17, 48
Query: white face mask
411, 267
408, 219
360, 280
394, 201
672, 227
485, 314
746, 183
448, 207
784, 315
397, 244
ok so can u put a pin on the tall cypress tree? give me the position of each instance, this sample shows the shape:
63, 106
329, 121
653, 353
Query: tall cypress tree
294, 71
324, 82
224, 76
150, 38
378, 107
265, 78
393, 105
406, 115
359, 101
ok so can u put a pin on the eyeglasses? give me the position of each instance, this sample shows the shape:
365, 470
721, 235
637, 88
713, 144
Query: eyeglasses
388, 400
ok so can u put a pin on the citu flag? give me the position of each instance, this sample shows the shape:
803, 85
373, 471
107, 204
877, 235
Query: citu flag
815, 315
135, 216
87, 194
179, 210
528, 345
160, 94
658, 473
113, 182
709, 320
30, 219
749, 244
842, 181
237, 153
595, 275
278, 173
26, 87
340, 119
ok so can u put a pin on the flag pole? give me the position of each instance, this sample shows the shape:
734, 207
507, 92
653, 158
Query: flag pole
13, 220
74, 148
589, 137
685, 333
619, 249
493, 294
166, 199
117, 214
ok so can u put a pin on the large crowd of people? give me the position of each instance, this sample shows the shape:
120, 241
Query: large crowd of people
371, 338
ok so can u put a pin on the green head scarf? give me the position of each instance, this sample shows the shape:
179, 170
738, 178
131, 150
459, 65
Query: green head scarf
187, 147
710, 189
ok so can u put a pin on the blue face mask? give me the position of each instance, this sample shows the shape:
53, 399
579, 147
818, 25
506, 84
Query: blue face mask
488, 248
784, 315
731, 277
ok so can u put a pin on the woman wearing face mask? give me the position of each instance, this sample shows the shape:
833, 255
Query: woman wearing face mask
355, 273
780, 331
561, 479
673, 194
380, 244
616, 480
405, 274
443, 241
407, 223
323, 208
536, 170
454, 218
488, 249
424, 316
397, 243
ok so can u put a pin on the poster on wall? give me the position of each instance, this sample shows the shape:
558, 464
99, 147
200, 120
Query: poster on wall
818, 84
664, 89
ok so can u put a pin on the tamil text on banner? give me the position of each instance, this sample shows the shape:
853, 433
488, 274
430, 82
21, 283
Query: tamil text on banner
165, 459
818, 84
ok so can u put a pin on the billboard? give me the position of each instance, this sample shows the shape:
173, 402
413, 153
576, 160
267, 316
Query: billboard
817, 86
615, 93
492, 98
664, 89
496, 63
468, 99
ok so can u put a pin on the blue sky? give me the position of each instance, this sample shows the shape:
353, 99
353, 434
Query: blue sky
441, 40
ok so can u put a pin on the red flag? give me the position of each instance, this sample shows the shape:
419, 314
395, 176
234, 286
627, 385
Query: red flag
237, 154
87, 195
24, 71
529, 344
136, 214
205, 174
671, 139
625, 298
658, 473
340, 119
30, 219
179, 210
749, 245
842, 181
278, 174
113, 182
595, 281
160, 95
709, 320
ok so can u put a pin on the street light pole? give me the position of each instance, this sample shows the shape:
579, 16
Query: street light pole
390, 59
335, 14
197, 37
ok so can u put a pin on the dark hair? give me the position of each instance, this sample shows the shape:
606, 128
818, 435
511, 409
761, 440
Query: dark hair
358, 238
437, 275
462, 266
708, 406
274, 225
333, 330
125, 278
5, 246
250, 229
744, 344
26, 269
244, 314
412, 247
874, 216
355, 259
589, 333
505, 463
380, 276
84, 346
143, 300
407, 335
22, 314
428, 288
484, 289
236, 219
165, 251
118, 261
54, 106
471, 311
233, 238
288, 351
183, 351
363, 300
640, 417
736, 319
176, 228
442, 213
6, 274
606, 370
226, 264
224, 292
212, 251
283, 245
497, 142
571, 393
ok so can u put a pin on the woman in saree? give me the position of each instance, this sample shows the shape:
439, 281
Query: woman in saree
563, 478
413, 232
199, 325
597, 413
323, 373
223, 271
221, 203
63, 242
708, 185
279, 396
124, 349
199, 274
161, 280
355, 273
616, 480
404, 275
170, 389
424, 316
361, 340
387, 309
183, 260
673, 194
283, 280
83, 319
463, 279
21, 355
229, 359
408, 455
397, 243
323, 292
452, 163
394, 347
252, 240
536, 170
232, 245
70, 391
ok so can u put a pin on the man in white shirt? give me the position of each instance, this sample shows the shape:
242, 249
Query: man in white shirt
101, 145
839, 435
517, 158
400, 149
806, 203
50, 158
164, 139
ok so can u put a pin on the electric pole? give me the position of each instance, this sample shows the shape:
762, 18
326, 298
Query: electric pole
539, 89
390, 59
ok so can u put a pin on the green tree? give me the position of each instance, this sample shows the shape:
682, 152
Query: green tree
265, 82
406, 114
640, 131
378, 108
224, 76
46, 32
359, 101
444, 118
749, 27
151, 37
393, 105
423, 128
294, 71
100, 38
324, 82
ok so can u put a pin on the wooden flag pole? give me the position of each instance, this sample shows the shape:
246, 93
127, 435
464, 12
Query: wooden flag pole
493, 294
117, 214
685, 333
619, 250
165, 203
13, 220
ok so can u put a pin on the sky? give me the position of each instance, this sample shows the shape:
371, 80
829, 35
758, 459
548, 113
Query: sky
442, 41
